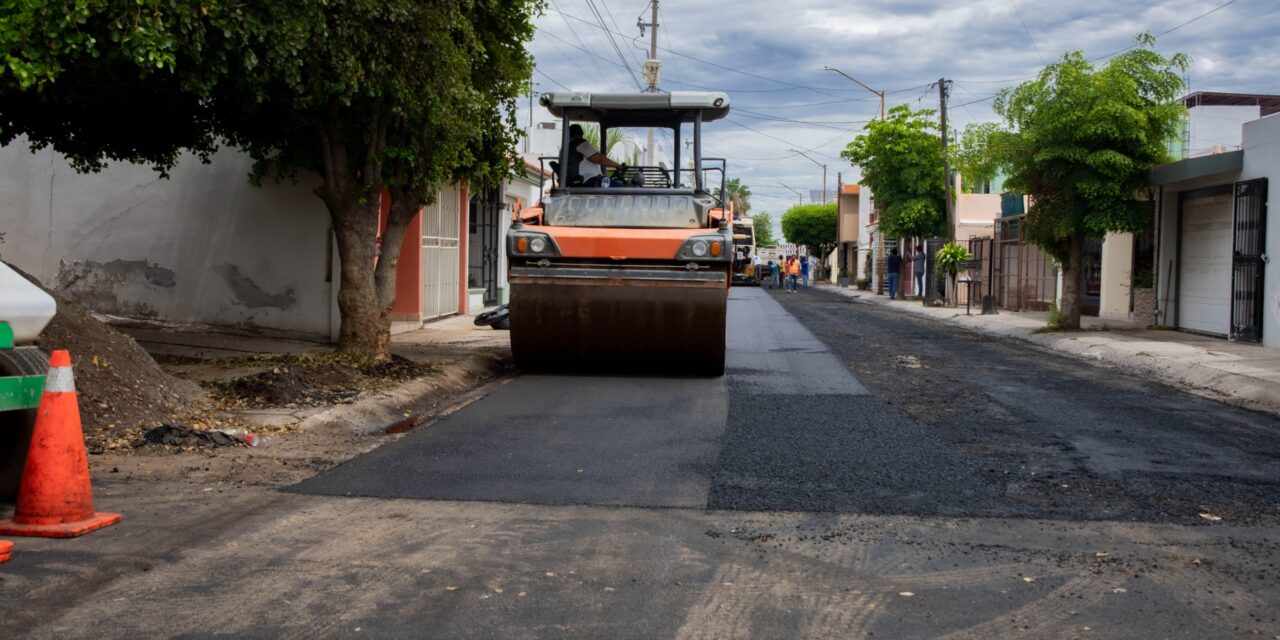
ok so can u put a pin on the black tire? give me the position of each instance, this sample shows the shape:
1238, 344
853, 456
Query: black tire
502, 325
16, 426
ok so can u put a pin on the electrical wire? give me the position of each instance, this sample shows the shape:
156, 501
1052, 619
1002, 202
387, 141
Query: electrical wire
1027, 31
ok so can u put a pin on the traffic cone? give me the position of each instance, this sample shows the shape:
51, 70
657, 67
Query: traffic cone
5, 548
55, 499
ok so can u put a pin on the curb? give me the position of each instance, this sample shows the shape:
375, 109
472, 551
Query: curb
412, 403
1187, 371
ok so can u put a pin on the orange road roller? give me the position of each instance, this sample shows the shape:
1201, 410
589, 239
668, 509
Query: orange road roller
625, 273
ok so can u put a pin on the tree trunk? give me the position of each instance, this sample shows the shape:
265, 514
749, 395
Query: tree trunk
403, 209
363, 331
1070, 311
351, 194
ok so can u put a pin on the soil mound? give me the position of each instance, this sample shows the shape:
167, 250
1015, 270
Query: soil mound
312, 380
122, 390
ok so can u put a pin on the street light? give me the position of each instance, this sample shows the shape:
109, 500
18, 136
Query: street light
798, 194
879, 93
824, 172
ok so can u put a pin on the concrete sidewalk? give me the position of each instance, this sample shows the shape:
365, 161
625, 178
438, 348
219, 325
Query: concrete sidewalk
1240, 373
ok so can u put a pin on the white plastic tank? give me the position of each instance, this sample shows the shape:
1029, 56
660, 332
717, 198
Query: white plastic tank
26, 307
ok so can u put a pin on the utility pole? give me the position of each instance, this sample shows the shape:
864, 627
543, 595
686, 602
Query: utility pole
651, 67
799, 196
824, 172
859, 83
946, 166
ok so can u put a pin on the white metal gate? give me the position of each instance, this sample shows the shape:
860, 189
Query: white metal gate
440, 267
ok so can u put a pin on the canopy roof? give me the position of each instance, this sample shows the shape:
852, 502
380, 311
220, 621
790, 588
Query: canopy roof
637, 109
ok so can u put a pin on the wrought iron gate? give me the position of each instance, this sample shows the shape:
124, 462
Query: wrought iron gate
482, 267
1249, 243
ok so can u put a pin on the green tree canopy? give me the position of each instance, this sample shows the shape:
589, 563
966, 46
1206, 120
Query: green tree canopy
971, 157
763, 223
368, 94
812, 225
1079, 140
901, 162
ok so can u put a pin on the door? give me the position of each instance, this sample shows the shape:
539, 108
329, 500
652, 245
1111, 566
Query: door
440, 277
1204, 264
1250, 227
482, 254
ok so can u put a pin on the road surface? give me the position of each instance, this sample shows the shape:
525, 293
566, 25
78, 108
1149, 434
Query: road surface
858, 473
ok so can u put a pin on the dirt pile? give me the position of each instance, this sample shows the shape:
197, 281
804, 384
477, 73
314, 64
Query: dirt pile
122, 390
311, 380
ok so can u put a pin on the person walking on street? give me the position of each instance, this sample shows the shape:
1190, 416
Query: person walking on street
755, 268
804, 270
773, 273
893, 268
917, 265
793, 274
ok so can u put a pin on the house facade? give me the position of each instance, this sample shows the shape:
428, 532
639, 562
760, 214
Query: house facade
205, 247
1215, 271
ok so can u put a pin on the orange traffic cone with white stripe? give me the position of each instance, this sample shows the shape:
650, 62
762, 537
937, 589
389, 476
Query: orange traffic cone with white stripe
55, 499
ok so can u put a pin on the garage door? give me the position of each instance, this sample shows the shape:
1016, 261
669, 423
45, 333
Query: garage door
1204, 270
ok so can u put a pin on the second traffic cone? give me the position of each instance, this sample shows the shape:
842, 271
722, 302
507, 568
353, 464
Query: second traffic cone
6, 548
55, 499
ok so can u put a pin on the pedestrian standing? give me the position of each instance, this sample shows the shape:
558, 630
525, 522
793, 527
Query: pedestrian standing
917, 265
773, 273
804, 270
893, 268
793, 274
755, 267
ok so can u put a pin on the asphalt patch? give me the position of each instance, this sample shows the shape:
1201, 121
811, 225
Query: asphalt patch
556, 440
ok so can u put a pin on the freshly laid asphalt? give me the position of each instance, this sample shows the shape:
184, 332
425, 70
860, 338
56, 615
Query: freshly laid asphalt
858, 473
958, 426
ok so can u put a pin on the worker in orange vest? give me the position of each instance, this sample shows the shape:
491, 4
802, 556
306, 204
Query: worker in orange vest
793, 273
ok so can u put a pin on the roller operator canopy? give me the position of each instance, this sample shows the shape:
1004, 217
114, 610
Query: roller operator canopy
637, 109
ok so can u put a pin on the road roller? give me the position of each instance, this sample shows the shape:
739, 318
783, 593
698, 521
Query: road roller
631, 274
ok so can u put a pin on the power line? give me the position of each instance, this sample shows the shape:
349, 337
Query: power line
1169, 31
717, 65
558, 83
613, 42
1027, 31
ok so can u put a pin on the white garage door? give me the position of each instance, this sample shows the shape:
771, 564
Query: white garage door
440, 277
1204, 272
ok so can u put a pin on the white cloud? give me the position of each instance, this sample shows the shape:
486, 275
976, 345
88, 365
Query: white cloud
758, 50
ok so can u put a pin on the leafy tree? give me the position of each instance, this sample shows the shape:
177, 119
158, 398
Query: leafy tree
763, 224
814, 226
368, 94
971, 157
901, 161
1079, 140
739, 194
617, 146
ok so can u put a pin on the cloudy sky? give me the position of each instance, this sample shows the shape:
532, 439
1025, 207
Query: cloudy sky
769, 56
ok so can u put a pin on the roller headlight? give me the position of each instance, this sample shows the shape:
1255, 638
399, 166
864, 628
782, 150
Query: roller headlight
537, 245
699, 248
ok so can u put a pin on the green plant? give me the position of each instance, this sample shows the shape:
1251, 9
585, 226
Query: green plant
901, 162
814, 226
948, 261
1143, 279
864, 284
1054, 322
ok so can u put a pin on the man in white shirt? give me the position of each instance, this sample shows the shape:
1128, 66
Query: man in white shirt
589, 160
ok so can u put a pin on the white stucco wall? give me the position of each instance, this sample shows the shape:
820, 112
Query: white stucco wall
866, 204
203, 246
1262, 160
1217, 125
1117, 272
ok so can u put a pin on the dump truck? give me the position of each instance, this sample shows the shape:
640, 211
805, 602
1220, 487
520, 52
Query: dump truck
632, 277
25, 309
